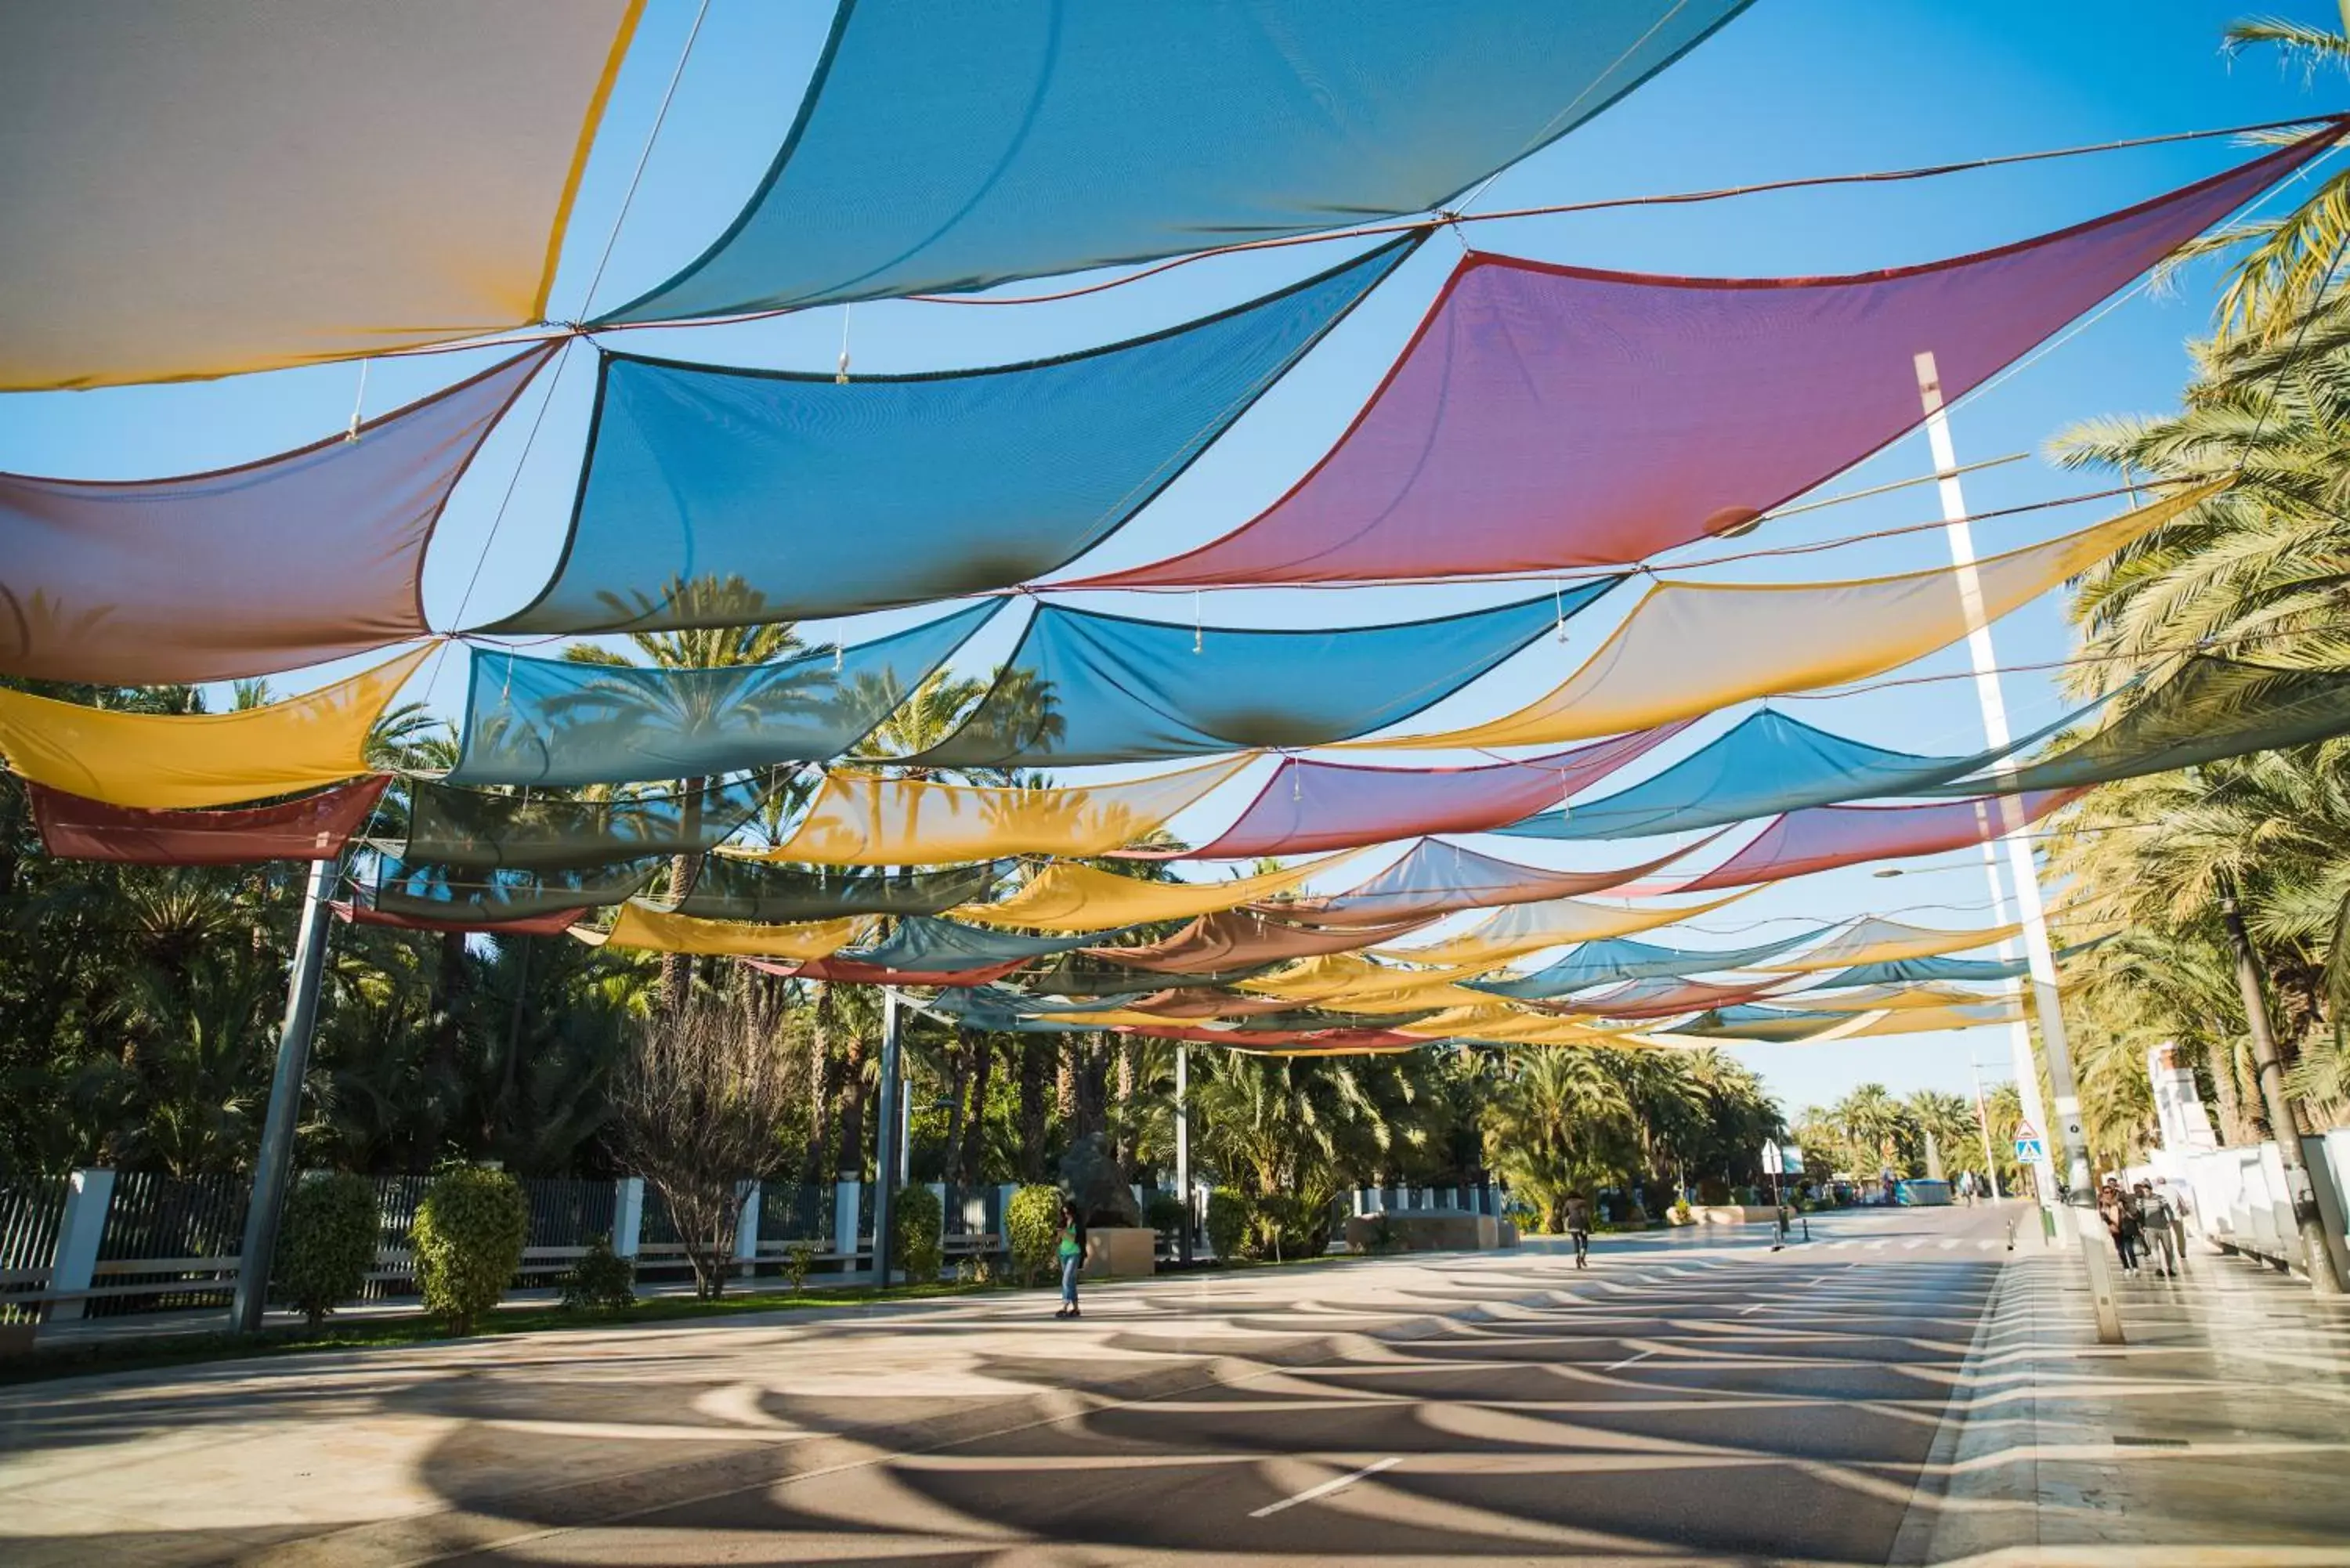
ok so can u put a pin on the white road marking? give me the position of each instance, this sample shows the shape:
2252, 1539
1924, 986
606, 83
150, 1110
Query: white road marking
1629, 1359
1758, 1306
1947, 1245
1325, 1489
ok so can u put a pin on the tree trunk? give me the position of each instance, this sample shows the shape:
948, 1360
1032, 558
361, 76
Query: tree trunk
849, 1159
971, 1159
677, 969
1065, 1080
821, 1081
959, 1051
1093, 1088
1127, 1149
2236, 1129
1034, 1064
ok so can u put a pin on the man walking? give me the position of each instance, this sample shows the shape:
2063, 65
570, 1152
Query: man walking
2155, 1222
1578, 1226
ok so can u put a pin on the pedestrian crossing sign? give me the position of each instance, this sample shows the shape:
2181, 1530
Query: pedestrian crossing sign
2030, 1150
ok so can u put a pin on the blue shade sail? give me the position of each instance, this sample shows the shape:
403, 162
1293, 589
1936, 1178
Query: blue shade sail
723, 497
452, 826
955, 147
1617, 958
924, 942
1770, 1025
1085, 688
1764, 764
1082, 974
1924, 971
555, 722
487, 895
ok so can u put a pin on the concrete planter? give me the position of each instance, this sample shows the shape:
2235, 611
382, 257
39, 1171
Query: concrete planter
1734, 1214
1120, 1253
1429, 1231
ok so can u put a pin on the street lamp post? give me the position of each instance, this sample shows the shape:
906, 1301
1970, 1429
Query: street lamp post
2022, 871
1982, 1126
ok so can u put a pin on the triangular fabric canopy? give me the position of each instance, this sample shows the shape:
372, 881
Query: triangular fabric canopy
1822, 837
1552, 416
314, 827
645, 928
1934, 1019
202, 189
1530, 928
1089, 972
474, 827
730, 887
849, 971
1087, 687
1492, 1024
1766, 1026
1614, 960
1874, 939
1239, 939
784, 495
1689, 648
1065, 897
557, 721
1764, 764
2211, 709
1309, 805
1060, 138
1437, 877
292, 561
1206, 1004
1927, 971
924, 943
1670, 998
1355, 984
555, 923
170, 760
455, 897
1893, 999
868, 819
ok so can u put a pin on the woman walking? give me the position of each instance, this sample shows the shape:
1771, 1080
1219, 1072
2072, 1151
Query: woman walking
1072, 1250
2120, 1215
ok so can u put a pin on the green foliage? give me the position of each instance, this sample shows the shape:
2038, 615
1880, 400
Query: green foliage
917, 1234
1164, 1213
1228, 1221
1032, 1224
469, 1236
798, 1259
601, 1280
326, 1243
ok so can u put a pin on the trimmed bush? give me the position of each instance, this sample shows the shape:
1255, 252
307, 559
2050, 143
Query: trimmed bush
1228, 1223
1164, 1213
469, 1236
325, 1242
917, 1238
798, 1259
601, 1280
1031, 1227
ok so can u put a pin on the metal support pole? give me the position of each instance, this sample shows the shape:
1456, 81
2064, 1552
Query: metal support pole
1183, 1147
275, 1159
1982, 1126
885, 1136
2318, 1258
2021, 871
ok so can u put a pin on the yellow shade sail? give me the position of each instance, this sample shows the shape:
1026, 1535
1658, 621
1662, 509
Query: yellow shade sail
1874, 940
1556, 922
1070, 897
868, 819
1349, 983
1882, 998
1690, 647
170, 760
203, 187
1928, 1021
1505, 1025
642, 927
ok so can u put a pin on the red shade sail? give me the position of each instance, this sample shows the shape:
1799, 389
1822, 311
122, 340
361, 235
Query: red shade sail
315, 827
551, 924
1244, 938
1553, 416
1822, 837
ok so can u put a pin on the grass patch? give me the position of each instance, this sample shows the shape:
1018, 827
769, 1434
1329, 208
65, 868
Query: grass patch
167, 1350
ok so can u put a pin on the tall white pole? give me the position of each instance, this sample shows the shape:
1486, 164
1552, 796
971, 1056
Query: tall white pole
1982, 1125
1183, 1147
272, 1166
2022, 871
2019, 1034
885, 1137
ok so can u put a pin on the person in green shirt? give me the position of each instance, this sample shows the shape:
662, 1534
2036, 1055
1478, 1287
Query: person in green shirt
1072, 1253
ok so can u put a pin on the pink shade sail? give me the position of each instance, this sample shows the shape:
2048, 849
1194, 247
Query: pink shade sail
1311, 805
1208, 1003
1243, 938
1548, 416
849, 971
1822, 837
554, 923
272, 566
1441, 878
1664, 998
315, 827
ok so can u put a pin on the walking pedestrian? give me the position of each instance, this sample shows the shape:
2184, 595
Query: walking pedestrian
2113, 1207
1578, 1226
1072, 1250
2155, 1221
2181, 1203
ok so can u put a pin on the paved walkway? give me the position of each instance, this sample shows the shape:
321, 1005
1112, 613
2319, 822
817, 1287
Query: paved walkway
2219, 1434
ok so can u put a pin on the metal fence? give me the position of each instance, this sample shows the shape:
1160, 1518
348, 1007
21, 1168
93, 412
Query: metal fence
30, 1215
180, 1235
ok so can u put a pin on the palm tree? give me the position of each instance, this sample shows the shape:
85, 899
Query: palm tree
1559, 1122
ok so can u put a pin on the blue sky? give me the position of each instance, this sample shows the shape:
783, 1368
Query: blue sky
1792, 88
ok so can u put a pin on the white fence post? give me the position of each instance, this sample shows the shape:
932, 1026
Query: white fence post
75, 1262
844, 1239
628, 1215
746, 1231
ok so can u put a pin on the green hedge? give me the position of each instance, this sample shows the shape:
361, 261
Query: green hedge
917, 1234
469, 1236
601, 1280
1228, 1223
1031, 1227
326, 1243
